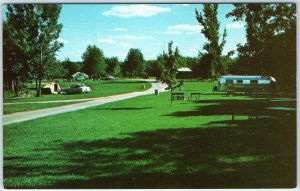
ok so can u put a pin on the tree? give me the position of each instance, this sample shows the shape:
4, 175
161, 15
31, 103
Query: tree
32, 31
93, 62
152, 68
48, 30
271, 40
169, 64
71, 67
113, 66
133, 65
54, 69
17, 44
209, 22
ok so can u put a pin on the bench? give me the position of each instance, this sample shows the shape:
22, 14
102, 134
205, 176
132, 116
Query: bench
230, 92
196, 95
177, 96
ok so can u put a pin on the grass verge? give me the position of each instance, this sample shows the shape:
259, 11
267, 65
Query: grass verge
99, 89
146, 142
19, 107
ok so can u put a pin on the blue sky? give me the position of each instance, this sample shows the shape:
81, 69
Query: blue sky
115, 28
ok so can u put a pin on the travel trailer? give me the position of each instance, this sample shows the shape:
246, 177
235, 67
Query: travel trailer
247, 84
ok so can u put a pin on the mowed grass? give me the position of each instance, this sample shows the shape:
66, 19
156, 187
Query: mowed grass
19, 107
146, 142
99, 89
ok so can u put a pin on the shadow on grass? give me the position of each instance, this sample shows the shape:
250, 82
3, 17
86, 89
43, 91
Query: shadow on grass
123, 108
238, 107
222, 154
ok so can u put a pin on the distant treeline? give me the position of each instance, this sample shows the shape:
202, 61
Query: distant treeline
31, 32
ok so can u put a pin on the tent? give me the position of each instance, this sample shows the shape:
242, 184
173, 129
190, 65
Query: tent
51, 88
184, 72
184, 69
80, 76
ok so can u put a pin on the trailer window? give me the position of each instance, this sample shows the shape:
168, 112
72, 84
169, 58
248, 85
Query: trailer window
239, 81
254, 81
229, 81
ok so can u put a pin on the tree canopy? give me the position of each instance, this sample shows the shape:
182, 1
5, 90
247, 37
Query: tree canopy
169, 63
113, 66
93, 62
31, 33
271, 40
133, 65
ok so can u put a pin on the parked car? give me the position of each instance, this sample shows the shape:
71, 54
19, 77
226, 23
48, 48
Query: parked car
77, 89
109, 77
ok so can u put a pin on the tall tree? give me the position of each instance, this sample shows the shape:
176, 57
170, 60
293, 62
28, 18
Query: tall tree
169, 63
47, 45
17, 44
93, 62
133, 65
210, 29
271, 40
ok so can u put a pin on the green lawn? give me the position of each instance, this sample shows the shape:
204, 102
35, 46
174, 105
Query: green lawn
18, 107
146, 142
99, 89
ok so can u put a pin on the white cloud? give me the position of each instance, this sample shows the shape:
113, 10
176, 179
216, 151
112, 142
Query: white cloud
126, 45
61, 40
235, 25
132, 37
135, 11
120, 29
106, 40
184, 28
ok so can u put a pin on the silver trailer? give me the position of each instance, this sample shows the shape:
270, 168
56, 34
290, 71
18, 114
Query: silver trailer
247, 84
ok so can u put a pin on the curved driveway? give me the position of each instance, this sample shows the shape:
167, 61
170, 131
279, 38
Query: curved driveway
33, 114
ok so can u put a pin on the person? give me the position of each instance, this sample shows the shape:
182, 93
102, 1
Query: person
215, 88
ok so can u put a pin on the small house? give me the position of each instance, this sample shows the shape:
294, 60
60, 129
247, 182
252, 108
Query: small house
184, 73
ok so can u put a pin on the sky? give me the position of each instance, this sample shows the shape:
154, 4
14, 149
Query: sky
115, 28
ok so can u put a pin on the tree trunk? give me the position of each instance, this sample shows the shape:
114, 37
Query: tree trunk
38, 84
17, 89
12, 86
40, 88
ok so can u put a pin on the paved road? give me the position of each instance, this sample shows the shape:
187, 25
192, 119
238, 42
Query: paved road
33, 114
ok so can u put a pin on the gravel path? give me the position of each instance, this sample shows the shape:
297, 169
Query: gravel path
33, 114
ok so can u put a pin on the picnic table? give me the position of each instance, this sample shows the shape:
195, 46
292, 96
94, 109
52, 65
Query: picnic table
177, 96
195, 94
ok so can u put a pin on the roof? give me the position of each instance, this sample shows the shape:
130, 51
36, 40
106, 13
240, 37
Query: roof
245, 77
184, 69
